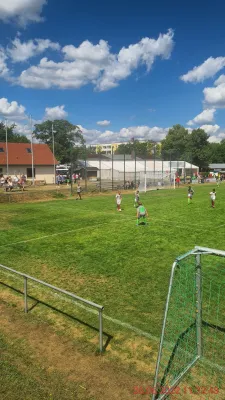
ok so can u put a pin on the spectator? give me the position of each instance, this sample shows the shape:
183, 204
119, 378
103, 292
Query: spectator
2, 180
15, 179
22, 182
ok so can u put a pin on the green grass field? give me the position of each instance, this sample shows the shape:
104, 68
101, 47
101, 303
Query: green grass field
90, 249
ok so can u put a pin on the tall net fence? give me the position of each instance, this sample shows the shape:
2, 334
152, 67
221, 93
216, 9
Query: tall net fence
129, 171
192, 354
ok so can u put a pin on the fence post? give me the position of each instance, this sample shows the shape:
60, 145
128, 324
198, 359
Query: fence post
154, 165
112, 166
135, 169
100, 331
85, 166
25, 295
199, 304
124, 171
100, 173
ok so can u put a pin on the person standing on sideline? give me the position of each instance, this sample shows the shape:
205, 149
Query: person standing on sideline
79, 192
213, 198
118, 201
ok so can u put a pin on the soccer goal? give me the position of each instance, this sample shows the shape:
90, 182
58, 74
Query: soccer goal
191, 359
157, 180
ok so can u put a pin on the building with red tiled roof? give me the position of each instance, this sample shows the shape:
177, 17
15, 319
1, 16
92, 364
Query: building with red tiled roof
20, 161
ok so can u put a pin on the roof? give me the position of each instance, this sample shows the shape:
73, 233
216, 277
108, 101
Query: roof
217, 166
130, 165
19, 155
88, 168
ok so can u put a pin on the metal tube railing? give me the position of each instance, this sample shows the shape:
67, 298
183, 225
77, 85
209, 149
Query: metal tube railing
88, 302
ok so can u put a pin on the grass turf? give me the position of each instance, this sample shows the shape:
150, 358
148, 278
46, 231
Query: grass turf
90, 249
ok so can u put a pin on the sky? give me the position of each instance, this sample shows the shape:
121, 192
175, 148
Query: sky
118, 69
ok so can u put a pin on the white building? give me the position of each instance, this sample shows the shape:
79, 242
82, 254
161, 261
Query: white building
127, 169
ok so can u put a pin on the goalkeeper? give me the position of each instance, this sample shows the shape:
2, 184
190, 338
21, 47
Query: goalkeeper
142, 213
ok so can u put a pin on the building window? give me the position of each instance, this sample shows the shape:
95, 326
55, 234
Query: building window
1, 150
1, 170
29, 150
29, 173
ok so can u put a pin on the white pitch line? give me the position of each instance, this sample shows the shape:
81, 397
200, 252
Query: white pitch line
115, 321
163, 221
126, 325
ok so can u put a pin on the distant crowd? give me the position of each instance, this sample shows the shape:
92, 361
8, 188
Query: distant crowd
8, 183
61, 179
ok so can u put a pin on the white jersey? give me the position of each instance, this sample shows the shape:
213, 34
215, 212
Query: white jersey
118, 198
213, 195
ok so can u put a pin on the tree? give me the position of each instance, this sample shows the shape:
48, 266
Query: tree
141, 149
197, 148
12, 137
175, 143
68, 139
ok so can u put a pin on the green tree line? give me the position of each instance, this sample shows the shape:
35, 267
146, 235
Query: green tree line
11, 135
179, 144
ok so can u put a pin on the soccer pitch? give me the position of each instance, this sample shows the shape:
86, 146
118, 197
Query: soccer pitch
88, 248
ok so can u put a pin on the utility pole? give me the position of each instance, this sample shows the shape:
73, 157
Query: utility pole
32, 152
53, 149
6, 146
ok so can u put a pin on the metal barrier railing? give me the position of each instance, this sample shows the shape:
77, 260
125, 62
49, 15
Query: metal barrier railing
90, 303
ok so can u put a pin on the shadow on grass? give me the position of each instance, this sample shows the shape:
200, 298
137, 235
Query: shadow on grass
176, 348
108, 336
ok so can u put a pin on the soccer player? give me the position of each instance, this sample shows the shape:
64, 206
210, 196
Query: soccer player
190, 194
213, 198
141, 213
78, 192
118, 201
136, 198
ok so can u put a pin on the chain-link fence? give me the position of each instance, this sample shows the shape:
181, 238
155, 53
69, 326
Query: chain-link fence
130, 171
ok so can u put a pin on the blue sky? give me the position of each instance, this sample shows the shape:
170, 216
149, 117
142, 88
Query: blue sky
118, 69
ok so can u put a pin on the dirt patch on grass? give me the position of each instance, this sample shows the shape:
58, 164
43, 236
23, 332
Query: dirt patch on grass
102, 378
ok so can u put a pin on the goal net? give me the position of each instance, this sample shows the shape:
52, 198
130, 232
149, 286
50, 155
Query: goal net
157, 180
191, 359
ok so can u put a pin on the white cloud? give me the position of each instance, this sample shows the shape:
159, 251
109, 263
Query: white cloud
22, 11
95, 64
22, 51
4, 71
217, 138
220, 80
23, 129
12, 111
57, 112
204, 117
215, 96
94, 136
206, 70
104, 123
130, 58
210, 129
89, 52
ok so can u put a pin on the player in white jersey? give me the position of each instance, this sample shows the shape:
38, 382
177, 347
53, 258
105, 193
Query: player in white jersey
213, 198
136, 198
118, 201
